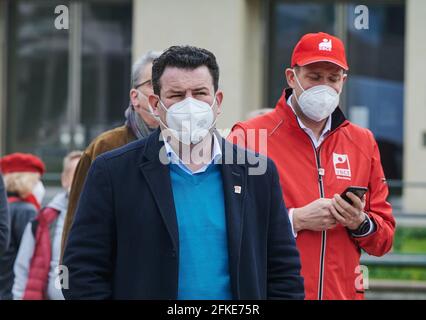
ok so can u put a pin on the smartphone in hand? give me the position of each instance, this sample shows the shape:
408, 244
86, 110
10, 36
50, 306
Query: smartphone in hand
358, 191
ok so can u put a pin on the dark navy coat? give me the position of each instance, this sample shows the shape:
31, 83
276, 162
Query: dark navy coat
124, 242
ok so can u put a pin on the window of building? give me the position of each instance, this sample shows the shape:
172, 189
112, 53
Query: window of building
65, 86
373, 95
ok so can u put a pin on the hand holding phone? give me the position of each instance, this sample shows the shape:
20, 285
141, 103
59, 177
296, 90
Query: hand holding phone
358, 191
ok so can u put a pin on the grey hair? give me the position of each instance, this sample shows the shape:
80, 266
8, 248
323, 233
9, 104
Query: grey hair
69, 157
140, 64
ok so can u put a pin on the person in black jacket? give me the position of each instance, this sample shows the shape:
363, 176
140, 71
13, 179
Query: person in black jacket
4, 219
25, 191
182, 214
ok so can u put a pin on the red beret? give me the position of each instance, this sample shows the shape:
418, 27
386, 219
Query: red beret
21, 162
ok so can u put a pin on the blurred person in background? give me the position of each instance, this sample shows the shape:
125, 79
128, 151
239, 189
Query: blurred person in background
140, 122
319, 153
38, 256
258, 112
4, 219
25, 192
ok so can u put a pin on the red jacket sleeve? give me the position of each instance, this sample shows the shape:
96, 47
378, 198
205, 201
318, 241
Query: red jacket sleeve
380, 211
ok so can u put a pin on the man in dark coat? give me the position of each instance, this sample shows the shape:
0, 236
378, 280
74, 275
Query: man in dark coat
182, 214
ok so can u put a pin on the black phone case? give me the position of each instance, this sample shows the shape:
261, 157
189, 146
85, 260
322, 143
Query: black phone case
357, 192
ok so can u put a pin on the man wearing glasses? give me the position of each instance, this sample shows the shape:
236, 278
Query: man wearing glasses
140, 122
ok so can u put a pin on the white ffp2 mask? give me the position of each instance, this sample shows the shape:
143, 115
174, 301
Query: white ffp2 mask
39, 191
189, 120
318, 102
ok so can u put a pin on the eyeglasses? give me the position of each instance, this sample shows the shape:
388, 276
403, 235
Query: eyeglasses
144, 83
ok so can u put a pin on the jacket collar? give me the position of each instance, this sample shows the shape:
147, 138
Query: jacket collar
154, 150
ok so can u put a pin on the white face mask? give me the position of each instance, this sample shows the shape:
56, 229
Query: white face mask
318, 102
39, 191
189, 120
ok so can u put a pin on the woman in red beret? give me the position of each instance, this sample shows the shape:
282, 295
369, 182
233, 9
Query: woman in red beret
22, 177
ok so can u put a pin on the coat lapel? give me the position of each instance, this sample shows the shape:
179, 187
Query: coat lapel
234, 187
157, 176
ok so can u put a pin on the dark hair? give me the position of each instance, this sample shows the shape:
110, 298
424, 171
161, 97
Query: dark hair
184, 57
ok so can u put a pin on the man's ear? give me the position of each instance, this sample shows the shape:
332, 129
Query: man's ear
219, 99
153, 101
289, 75
133, 94
345, 76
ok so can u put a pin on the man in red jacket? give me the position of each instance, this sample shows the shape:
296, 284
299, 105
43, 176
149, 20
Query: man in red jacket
319, 154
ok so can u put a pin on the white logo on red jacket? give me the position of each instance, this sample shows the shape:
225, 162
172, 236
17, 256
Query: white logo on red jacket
341, 166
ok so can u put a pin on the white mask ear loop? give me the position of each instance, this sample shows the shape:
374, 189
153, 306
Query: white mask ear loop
297, 80
217, 116
158, 116
151, 110
300, 86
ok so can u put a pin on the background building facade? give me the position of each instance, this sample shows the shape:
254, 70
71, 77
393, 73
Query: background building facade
61, 88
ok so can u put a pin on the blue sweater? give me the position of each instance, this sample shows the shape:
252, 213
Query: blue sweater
203, 254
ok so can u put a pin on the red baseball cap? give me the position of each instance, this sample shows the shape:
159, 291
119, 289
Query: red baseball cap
316, 47
22, 162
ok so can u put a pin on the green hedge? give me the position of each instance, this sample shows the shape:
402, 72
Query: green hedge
410, 240
407, 240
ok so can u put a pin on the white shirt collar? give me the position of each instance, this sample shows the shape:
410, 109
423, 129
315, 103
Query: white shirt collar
324, 133
174, 158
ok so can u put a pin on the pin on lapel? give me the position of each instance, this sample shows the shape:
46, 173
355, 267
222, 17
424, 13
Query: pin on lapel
237, 189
